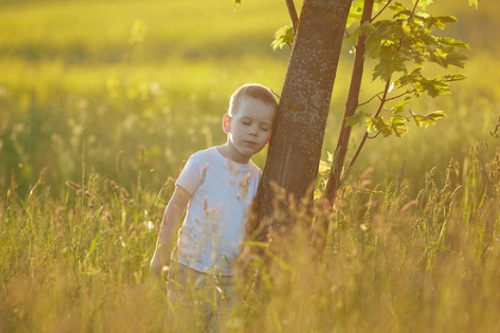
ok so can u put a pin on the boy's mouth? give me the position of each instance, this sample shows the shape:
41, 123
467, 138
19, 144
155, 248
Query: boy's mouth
250, 143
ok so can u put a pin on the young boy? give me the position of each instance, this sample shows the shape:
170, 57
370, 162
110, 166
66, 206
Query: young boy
217, 186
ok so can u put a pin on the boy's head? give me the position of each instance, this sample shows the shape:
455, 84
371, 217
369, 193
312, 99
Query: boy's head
249, 121
254, 90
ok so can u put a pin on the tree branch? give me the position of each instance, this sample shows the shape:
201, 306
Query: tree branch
293, 15
382, 10
372, 98
384, 97
365, 136
413, 11
352, 104
374, 136
401, 95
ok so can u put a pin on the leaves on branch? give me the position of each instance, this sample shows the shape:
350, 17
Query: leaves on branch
355, 12
324, 167
439, 22
399, 126
407, 40
386, 67
433, 87
430, 119
423, 3
399, 107
396, 125
356, 119
402, 45
283, 36
452, 42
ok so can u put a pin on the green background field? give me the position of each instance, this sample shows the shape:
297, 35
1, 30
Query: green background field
83, 80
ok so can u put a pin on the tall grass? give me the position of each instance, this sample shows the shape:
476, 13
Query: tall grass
394, 262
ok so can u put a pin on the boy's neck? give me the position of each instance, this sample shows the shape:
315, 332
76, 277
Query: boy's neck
232, 154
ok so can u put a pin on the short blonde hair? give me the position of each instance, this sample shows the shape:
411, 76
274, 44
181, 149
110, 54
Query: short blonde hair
254, 90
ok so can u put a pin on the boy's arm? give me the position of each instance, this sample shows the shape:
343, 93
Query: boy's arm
171, 219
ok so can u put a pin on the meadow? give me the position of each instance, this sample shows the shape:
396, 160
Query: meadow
101, 102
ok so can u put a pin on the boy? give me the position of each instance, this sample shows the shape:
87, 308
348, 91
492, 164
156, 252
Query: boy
217, 186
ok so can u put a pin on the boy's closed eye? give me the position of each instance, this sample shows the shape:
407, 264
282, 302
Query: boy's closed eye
248, 122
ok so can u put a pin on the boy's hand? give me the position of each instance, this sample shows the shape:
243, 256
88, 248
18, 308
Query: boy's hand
157, 268
170, 223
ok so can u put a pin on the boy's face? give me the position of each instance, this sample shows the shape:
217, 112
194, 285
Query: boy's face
249, 128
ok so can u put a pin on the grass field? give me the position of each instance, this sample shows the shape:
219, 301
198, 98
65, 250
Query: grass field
101, 102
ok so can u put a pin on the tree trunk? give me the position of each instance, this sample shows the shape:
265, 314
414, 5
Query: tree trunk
295, 147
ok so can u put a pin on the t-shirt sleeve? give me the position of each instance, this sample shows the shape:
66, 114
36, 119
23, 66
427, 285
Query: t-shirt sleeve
190, 176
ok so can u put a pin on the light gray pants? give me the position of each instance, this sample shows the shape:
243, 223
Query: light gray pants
199, 298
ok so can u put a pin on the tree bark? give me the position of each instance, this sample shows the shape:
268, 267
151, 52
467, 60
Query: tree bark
295, 147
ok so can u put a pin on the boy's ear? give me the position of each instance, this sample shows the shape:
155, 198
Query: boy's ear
225, 123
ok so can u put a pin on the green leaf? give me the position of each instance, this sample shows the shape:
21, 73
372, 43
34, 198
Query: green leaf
283, 36
236, 3
399, 107
356, 119
386, 67
410, 79
439, 56
448, 56
399, 126
440, 21
399, 8
423, 3
454, 77
422, 15
457, 59
434, 87
406, 28
396, 126
379, 124
427, 120
453, 42
324, 167
355, 12
367, 29
370, 125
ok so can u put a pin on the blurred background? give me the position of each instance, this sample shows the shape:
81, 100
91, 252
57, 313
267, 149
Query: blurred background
130, 89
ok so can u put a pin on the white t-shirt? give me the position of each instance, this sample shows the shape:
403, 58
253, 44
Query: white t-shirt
222, 190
